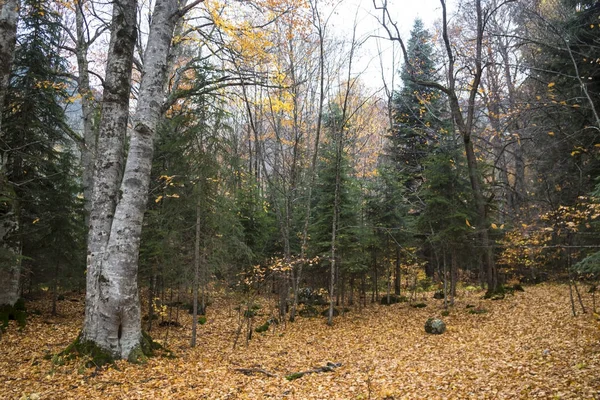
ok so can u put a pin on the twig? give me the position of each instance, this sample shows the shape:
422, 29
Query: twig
250, 371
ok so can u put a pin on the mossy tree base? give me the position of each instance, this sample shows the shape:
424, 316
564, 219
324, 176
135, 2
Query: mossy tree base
95, 356
18, 313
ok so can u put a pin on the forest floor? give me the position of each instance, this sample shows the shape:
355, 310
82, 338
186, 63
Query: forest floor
525, 346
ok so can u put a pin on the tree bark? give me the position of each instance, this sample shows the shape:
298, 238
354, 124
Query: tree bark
9, 274
106, 305
196, 276
88, 152
113, 312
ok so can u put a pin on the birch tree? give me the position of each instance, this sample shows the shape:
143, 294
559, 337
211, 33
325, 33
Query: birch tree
11, 271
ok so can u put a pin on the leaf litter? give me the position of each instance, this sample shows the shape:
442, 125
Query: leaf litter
527, 346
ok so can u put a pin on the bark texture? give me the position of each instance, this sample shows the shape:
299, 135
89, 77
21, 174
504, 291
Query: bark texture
83, 87
117, 306
10, 273
107, 306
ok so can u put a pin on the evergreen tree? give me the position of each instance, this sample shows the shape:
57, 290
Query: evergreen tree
40, 194
415, 109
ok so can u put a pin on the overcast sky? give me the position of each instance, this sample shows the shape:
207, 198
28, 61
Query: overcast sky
404, 13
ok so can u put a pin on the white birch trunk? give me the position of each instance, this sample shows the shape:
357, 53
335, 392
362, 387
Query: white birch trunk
83, 87
9, 15
118, 306
102, 302
9, 274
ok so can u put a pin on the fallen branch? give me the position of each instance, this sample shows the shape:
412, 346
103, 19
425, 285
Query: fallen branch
250, 371
330, 367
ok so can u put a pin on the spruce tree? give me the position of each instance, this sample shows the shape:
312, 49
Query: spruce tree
40, 192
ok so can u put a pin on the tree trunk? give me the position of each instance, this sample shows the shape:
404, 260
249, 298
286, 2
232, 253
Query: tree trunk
9, 16
9, 274
112, 304
196, 276
104, 312
83, 88
397, 273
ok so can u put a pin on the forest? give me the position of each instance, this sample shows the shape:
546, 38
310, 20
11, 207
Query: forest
221, 199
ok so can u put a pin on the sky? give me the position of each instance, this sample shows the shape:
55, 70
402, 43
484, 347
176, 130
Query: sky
404, 12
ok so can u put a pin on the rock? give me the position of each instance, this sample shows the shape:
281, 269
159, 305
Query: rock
439, 295
325, 313
435, 326
311, 297
308, 312
418, 305
546, 352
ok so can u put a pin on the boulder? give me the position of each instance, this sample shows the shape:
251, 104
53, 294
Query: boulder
435, 326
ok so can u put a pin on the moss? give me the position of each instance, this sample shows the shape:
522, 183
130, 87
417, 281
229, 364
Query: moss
137, 355
20, 305
149, 345
445, 313
96, 356
263, 328
497, 294
294, 376
202, 320
21, 318
18, 313
393, 299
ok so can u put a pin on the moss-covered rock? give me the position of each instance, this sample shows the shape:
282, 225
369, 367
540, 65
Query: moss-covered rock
435, 326
308, 312
325, 313
418, 305
263, 328
439, 295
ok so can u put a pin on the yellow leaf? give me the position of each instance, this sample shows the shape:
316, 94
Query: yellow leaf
494, 226
550, 133
551, 84
467, 222
159, 198
35, 221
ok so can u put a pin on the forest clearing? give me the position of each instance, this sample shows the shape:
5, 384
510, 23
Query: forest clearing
526, 346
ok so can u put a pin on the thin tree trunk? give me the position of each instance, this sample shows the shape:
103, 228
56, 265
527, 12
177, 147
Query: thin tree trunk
313, 166
196, 276
55, 288
397, 273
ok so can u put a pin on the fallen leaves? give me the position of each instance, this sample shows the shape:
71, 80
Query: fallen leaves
526, 346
